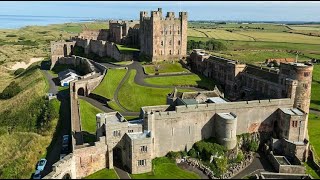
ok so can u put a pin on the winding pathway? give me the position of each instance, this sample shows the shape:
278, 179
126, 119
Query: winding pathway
138, 79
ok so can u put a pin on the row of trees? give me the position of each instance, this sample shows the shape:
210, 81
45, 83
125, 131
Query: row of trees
210, 45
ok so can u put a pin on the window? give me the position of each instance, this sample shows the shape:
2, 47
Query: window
178, 52
116, 133
130, 130
142, 162
178, 32
161, 43
170, 52
161, 52
306, 74
143, 149
170, 42
305, 86
179, 42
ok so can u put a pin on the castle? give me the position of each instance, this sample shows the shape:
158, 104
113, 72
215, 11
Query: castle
193, 116
158, 38
274, 103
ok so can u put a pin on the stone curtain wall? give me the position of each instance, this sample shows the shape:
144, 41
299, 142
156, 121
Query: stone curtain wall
102, 49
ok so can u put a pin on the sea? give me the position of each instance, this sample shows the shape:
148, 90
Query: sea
18, 21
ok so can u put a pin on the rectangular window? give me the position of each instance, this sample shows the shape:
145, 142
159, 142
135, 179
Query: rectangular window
142, 162
116, 133
143, 149
306, 74
130, 130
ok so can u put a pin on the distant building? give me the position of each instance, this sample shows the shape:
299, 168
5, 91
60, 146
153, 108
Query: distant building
67, 76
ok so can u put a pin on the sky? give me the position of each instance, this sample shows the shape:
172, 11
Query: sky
197, 10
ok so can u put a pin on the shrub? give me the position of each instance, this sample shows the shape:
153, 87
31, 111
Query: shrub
21, 38
193, 153
18, 71
11, 35
253, 146
174, 155
10, 91
239, 157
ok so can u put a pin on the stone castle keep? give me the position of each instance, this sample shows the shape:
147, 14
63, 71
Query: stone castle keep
274, 103
158, 38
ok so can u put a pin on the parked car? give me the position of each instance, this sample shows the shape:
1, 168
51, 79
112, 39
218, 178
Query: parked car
64, 152
41, 164
37, 175
65, 141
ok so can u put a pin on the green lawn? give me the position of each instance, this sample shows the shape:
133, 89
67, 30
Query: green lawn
315, 89
165, 67
88, 116
164, 168
103, 174
126, 50
123, 62
133, 96
191, 80
129, 118
110, 83
314, 133
310, 170
113, 105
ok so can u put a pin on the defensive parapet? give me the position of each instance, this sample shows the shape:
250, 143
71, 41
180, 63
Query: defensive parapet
60, 49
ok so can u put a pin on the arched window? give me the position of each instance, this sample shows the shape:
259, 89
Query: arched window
178, 52
178, 32
161, 43
179, 42
170, 52
170, 42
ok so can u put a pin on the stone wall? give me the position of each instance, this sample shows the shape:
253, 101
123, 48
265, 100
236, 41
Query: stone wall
191, 123
102, 49
60, 49
62, 168
90, 159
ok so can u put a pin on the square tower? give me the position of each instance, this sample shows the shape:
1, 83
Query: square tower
163, 38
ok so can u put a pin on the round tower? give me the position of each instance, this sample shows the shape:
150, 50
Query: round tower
225, 128
303, 74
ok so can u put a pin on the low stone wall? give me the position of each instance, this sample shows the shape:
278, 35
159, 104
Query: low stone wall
294, 169
232, 171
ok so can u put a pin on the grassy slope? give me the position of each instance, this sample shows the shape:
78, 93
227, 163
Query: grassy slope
110, 83
124, 49
133, 96
164, 168
165, 68
315, 88
103, 174
311, 171
88, 116
186, 80
21, 150
314, 133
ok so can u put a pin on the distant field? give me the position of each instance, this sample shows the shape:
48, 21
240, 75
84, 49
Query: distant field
306, 27
281, 37
220, 34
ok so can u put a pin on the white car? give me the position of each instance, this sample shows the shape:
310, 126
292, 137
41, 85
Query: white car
41, 164
37, 175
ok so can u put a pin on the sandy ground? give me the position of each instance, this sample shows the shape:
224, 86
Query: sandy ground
24, 65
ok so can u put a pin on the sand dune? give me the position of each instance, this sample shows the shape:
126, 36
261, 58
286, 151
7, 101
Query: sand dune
24, 65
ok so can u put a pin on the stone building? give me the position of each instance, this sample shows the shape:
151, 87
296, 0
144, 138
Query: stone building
119, 31
163, 38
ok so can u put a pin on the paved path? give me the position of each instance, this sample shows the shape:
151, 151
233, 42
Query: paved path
63, 126
260, 162
121, 173
314, 111
52, 86
104, 108
138, 79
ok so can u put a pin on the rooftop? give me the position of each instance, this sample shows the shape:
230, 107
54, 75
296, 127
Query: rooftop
228, 116
112, 118
292, 111
139, 135
216, 100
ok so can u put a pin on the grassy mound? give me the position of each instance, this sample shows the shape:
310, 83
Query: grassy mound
103, 174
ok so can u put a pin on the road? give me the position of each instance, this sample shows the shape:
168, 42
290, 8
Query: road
63, 126
260, 162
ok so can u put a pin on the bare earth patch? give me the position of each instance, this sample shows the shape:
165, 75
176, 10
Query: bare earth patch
24, 65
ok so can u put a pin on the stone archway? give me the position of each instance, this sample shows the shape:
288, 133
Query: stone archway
81, 91
66, 176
